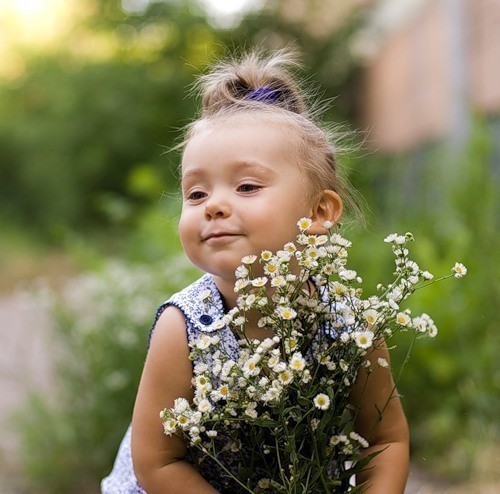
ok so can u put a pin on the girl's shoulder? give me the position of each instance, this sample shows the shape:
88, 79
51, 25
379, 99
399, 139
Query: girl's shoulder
200, 303
194, 293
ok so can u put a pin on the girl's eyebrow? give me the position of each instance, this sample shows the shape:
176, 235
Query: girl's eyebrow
240, 166
254, 166
192, 172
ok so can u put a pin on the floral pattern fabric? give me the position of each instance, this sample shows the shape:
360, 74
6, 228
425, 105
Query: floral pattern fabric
200, 318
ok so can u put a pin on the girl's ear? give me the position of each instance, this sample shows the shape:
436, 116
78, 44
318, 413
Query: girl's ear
327, 207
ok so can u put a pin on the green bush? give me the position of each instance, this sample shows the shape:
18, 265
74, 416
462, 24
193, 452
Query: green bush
102, 322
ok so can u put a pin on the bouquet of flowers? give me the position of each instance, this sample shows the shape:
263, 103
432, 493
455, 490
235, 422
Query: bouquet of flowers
281, 412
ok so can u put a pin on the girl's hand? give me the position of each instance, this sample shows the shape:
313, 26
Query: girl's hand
381, 420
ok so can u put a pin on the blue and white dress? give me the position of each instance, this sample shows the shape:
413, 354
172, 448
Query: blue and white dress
199, 319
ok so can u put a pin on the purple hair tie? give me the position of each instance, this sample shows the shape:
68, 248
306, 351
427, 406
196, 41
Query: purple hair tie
264, 95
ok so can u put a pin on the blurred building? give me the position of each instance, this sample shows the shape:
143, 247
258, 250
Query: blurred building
431, 65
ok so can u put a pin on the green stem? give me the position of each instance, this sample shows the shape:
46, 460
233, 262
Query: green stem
280, 467
322, 473
407, 358
214, 457
433, 281
405, 361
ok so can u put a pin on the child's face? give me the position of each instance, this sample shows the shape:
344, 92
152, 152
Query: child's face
243, 192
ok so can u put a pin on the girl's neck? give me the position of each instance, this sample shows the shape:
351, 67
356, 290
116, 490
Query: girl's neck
229, 298
226, 289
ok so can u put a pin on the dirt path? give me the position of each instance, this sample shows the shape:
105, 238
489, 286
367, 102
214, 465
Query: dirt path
25, 366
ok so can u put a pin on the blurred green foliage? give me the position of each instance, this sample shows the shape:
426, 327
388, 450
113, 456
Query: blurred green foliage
451, 385
82, 141
82, 161
100, 339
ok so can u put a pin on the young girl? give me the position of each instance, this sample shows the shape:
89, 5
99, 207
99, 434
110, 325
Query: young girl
253, 164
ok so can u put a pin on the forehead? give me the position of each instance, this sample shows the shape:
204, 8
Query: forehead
245, 138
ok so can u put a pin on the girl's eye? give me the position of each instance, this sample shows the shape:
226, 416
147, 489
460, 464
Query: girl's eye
248, 187
196, 195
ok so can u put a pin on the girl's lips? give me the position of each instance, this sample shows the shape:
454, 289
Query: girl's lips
218, 234
220, 237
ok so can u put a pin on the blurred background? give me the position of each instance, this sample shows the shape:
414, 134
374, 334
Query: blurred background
94, 93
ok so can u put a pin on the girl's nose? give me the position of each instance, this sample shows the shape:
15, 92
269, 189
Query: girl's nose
217, 206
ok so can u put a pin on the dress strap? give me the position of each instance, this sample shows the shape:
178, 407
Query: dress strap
201, 304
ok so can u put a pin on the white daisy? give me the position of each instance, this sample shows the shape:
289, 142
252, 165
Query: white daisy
205, 406
347, 274
278, 281
363, 339
321, 401
170, 427
459, 270
403, 319
371, 316
260, 281
240, 284
180, 405
273, 361
285, 377
250, 410
345, 337
286, 313
266, 255
250, 367
264, 483
239, 321
203, 342
297, 362
249, 259
360, 439
390, 238
432, 331
382, 362
280, 367
241, 272
271, 268
304, 224
339, 240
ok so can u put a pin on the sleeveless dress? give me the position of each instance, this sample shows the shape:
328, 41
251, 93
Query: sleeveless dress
200, 318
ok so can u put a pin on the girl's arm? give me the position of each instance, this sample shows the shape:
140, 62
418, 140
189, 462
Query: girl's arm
382, 422
167, 375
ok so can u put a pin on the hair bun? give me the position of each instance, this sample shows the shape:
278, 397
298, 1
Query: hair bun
254, 79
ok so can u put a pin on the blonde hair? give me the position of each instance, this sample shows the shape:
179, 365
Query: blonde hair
265, 86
